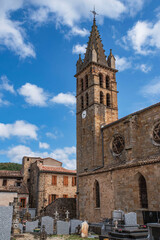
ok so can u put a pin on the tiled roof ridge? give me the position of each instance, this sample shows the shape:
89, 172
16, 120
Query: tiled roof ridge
55, 168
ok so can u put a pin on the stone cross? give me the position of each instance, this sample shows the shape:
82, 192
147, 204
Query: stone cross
67, 214
56, 215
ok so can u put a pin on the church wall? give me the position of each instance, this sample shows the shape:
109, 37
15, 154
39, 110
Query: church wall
137, 131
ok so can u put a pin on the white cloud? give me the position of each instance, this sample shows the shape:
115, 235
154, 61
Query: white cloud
5, 85
44, 145
20, 129
144, 68
51, 135
12, 35
122, 63
68, 99
77, 31
152, 89
3, 102
33, 95
144, 37
134, 6
79, 49
66, 155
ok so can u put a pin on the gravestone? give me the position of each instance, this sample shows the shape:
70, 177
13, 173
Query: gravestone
30, 226
63, 228
117, 215
74, 223
48, 223
130, 219
6, 214
21, 227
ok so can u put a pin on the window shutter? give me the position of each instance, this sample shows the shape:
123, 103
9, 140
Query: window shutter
50, 199
65, 181
73, 181
54, 180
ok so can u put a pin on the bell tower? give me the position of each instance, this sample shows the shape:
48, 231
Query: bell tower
96, 101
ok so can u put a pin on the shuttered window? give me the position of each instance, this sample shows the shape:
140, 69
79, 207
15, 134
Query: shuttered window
54, 180
65, 181
52, 197
73, 181
65, 196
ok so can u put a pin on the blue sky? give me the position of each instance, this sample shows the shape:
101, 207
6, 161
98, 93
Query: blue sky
39, 45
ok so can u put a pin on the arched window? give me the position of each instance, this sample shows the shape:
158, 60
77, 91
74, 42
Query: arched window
82, 103
86, 81
87, 100
100, 80
101, 97
108, 100
81, 84
107, 82
97, 194
143, 192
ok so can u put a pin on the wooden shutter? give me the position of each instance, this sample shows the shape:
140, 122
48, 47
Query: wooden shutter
54, 180
49, 199
65, 196
73, 181
65, 181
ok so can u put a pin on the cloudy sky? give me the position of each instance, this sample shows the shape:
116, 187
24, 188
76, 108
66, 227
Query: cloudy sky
39, 45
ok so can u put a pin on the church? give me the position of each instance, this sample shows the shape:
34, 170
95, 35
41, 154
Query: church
118, 160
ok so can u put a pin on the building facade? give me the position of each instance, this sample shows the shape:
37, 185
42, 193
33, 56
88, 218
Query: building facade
118, 161
47, 180
11, 185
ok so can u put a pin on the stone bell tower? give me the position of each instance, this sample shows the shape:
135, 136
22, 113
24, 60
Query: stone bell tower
96, 101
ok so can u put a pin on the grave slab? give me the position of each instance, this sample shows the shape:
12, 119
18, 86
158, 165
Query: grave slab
5, 222
48, 222
63, 228
130, 219
73, 224
30, 226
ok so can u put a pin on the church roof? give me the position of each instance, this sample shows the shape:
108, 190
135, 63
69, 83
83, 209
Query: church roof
95, 43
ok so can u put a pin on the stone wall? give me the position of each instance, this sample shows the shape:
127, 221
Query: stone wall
61, 205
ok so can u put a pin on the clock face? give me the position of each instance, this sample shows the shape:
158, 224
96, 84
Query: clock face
84, 114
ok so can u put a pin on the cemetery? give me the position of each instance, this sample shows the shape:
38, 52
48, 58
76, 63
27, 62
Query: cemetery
121, 226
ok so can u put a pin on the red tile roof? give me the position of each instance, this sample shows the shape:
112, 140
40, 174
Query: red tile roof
55, 169
12, 174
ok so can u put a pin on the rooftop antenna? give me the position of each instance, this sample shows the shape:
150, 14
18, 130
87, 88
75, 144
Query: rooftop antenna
94, 14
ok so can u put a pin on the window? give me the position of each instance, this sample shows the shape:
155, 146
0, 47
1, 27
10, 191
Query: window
65, 181
75, 196
18, 184
108, 100
54, 180
29, 169
52, 198
81, 84
100, 80
27, 159
143, 192
28, 180
86, 81
107, 82
87, 102
23, 202
101, 97
97, 194
65, 196
4, 182
82, 103
118, 144
74, 182
156, 133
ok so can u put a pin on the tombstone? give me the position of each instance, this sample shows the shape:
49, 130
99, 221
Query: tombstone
74, 223
84, 230
30, 226
154, 231
48, 222
63, 228
21, 227
56, 215
117, 215
43, 234
6, 214
130, 219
